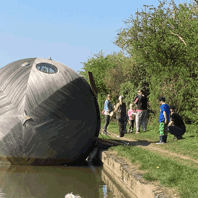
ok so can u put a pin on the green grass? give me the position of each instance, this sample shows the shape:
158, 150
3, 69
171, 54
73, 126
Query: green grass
105, 137
187, 146
170, 173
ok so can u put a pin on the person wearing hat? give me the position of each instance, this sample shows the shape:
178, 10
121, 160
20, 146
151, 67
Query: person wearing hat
176, 124
163, 119
120, 110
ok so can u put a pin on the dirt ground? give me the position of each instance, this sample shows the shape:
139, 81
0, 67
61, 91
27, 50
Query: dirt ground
157, 149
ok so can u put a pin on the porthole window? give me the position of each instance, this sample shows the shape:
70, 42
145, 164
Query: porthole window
46, 68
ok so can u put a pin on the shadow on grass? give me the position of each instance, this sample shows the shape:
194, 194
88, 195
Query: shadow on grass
116, 142
139, 143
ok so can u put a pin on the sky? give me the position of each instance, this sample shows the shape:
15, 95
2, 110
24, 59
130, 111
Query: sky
69, 32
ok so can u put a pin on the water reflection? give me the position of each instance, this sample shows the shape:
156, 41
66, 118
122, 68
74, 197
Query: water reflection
104, 188
119, 191
51, 182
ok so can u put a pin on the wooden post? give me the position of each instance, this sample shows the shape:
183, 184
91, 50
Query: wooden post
92, 83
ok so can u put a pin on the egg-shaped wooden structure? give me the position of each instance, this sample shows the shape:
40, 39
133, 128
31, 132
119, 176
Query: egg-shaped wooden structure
49, 114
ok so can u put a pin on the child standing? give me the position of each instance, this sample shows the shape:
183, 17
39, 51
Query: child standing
131, 117
163, 119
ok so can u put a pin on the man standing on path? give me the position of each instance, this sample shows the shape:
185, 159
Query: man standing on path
163, 119
176, 122
141, 115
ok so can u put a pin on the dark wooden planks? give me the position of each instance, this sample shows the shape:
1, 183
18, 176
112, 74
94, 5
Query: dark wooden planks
61, 117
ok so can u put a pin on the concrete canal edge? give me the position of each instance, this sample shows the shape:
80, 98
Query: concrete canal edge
119, 174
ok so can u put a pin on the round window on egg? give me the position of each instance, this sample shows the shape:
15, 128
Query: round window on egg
46, 68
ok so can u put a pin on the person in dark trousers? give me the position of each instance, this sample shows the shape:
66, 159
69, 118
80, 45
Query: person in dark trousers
107, 110
141, 115
145, 108
176, 122
125, 123
163, 119
120, 110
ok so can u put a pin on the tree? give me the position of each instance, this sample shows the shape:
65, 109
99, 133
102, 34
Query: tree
164, 46
98, 65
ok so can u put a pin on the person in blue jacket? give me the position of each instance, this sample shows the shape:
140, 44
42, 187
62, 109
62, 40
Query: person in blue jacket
107, 109
163, 120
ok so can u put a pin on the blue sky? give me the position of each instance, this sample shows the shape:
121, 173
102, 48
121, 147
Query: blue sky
68, 31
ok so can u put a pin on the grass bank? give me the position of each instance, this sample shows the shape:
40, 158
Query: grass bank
169, 172
187, 146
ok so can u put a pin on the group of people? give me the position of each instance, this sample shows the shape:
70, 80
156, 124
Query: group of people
137, 114
170, 122
109, 110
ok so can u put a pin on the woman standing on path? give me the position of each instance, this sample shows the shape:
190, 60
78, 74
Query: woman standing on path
141, 115
107, 109
120, 110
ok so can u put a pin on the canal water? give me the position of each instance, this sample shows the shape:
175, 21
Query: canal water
52, 182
